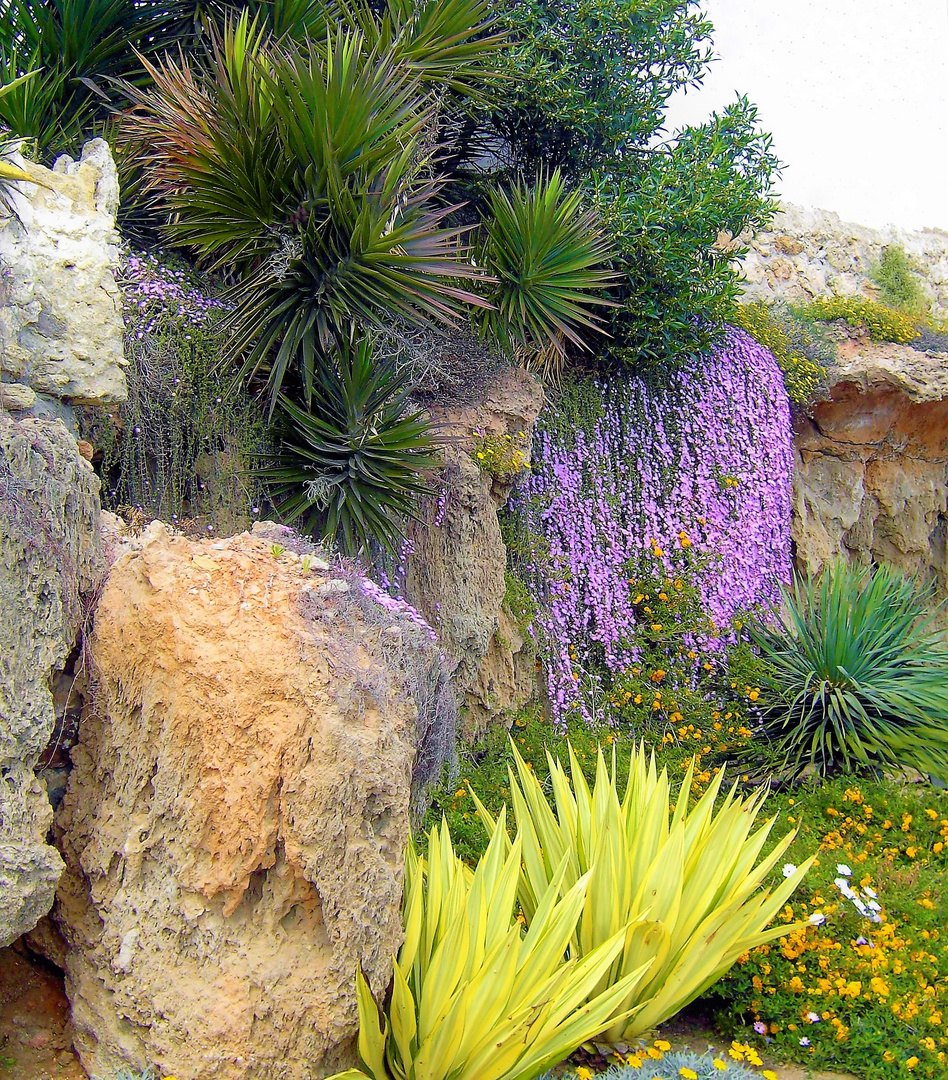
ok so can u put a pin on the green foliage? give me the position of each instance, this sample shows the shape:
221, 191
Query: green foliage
584, 81
860, 674
667, 212
303, 170
473, 997
682, 888
877, 983
802, 352
676, 1065
76, 47
547, 255
883, 323
176, 450
900, 287
518, 601
349, 468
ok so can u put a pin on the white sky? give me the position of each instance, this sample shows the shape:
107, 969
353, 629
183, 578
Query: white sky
855, 94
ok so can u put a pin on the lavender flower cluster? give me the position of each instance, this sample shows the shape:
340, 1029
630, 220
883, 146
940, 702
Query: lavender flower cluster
153, 292
397, 607
704, 462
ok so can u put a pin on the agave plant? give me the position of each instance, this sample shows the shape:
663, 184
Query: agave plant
474, 996
298, 168
684, 889
859, 673
549, 260
350, 467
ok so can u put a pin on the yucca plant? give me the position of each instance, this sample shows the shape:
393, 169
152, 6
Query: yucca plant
476, 996
351, 467
299, 170
683, 888
549, 259
858, 672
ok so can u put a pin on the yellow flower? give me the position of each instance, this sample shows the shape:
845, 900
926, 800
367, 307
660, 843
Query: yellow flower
656, 1055
912, 1062
688, 1074
634, 1061
719, 1064
661, 1044
769, 1074
583, 1073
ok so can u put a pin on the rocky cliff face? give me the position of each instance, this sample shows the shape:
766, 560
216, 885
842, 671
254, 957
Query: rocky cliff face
60, 307
455, 574
236, 816
809, 253
871, 477
50, 559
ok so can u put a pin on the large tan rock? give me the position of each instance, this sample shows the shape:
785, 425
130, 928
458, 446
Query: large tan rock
871, 478
235, 820
51, 559
61, 326
455, 573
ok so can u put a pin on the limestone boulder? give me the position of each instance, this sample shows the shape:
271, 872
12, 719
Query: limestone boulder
871, 477
51, 558
235, 820
808, 253
61, 324
455, 572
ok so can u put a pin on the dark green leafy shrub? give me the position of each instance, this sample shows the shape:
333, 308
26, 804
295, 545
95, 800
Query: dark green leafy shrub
857, 673
349, 468
900, 287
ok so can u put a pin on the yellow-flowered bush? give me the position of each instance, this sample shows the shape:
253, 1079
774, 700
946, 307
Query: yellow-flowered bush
800, 352
882, 322
503, 456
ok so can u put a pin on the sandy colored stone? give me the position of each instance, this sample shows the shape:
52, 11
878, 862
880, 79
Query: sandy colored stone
234, 824
455, 574
871, 480
16, 397
51, 558
61, 329
810, 253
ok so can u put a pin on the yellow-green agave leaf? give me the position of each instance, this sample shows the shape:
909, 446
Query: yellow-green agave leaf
684, 889
475, 994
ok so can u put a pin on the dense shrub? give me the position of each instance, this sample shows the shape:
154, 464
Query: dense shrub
900, 288
883, 323
859, 674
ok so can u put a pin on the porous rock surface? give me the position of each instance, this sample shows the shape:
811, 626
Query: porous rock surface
234, 823
455, 572
60, 307
50, 558
871, 475
810, 253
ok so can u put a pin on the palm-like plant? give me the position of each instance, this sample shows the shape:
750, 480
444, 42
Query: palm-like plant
76, 46
351, 466
859, 673
549, 259
299, 169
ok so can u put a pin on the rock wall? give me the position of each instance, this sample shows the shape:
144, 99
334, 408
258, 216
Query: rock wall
60, 307
236, 816
455, 574
871, 475
50, 559
809, 253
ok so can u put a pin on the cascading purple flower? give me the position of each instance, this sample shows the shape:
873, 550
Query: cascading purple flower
708, 455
